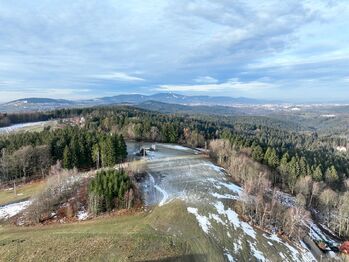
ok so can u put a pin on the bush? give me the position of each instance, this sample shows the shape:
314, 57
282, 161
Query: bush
110, 189
60, 187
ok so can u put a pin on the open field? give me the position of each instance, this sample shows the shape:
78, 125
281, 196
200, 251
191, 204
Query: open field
23, 192
166, 232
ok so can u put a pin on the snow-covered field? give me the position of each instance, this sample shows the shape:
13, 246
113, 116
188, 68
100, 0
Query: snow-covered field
12, 128
11, 210
175, 172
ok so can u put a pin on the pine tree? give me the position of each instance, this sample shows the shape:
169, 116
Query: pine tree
75, 152
331, 175
317, 174
96, 155
273, 160
257, 153
82, 151
122, 148
267, 155
107, 152
293, 173
67, 161
303, 167
283, 167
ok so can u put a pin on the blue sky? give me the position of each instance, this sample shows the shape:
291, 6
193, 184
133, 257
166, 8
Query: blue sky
289, 50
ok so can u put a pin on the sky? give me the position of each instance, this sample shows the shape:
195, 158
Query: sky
286, 50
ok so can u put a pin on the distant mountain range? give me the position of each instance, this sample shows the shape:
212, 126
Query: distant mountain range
172, 103
36, 100
172, 98
35, 104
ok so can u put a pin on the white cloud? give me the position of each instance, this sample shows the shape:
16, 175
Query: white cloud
81, 45
206, 80
232, 84
119, 76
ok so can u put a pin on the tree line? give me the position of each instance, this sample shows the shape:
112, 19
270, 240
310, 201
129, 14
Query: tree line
27, 117
27, 155
273, 142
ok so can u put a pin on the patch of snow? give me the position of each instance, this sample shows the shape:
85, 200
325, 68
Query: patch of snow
13, 209
294, 252
316, 233
229, 256
225, 196
237, 246
163, 192
176, 147
232, 187
282, 255
214, 182
217, 219
304, 253
329, 116
202, 220
215, 168
12, 128
234, 219
248, 229
82, 215
307, 255
273, 237
257, 253
220, 208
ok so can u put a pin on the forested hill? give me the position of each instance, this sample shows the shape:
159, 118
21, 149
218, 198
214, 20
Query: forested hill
294, 157
260, 134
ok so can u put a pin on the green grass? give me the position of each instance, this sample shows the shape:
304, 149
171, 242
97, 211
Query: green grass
165, 232
23, 192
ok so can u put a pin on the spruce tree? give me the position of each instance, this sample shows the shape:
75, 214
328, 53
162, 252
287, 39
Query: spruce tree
67, 160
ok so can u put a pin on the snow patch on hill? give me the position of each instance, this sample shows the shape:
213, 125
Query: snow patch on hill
11, 210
